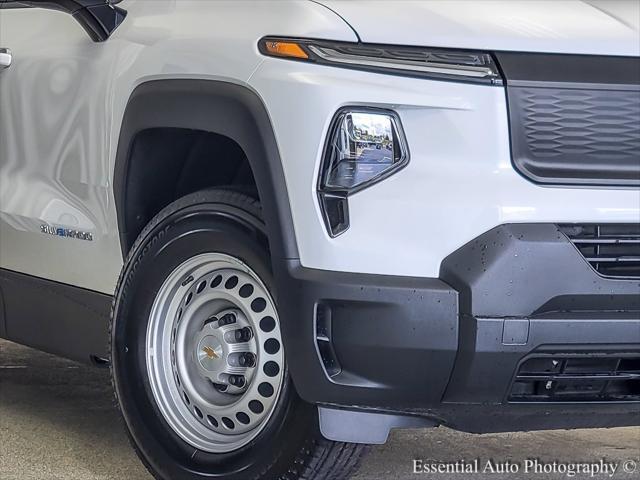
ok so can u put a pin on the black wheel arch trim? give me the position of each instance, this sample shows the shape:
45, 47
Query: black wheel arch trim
219, 107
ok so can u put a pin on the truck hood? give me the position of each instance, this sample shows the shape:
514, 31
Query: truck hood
596, 27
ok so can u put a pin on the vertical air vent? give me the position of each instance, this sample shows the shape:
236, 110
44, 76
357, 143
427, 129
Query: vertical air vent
324, 341
613, 250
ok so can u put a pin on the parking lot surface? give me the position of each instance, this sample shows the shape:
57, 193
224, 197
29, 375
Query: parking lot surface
58, 421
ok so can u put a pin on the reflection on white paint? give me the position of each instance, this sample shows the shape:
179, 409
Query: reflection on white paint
622, 211
597, 27
58, 212
63, 100
512, 211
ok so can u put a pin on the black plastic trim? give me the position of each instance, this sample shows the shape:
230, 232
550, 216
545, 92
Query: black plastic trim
564, 113
493, 418
378, 323
524, 289
335, 212
218, 107
99, 18
521, 270
577, 377
55, 317
487, 360
3, 328
569, 71
100, 21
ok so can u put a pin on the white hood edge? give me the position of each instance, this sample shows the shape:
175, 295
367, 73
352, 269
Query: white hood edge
596, 27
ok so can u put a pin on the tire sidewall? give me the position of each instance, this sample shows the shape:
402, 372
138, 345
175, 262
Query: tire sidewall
197, 225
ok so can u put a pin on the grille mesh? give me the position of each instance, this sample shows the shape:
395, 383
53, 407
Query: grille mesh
575, 378
612, 249
576, 136
582, 122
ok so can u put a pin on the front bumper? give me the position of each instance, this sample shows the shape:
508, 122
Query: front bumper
450, 348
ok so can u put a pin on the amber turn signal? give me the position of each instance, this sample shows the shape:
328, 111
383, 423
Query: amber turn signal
284, 49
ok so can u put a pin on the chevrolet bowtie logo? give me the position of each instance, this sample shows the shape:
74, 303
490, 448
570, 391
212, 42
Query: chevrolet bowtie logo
210, 353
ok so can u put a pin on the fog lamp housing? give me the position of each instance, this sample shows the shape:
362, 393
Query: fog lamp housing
364, 146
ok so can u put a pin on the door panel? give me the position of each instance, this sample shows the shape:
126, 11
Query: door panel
63, 99
55, 201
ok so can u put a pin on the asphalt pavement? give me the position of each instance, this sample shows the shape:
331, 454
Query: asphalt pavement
58, 422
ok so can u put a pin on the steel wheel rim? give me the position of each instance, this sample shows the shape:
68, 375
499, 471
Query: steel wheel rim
192, 353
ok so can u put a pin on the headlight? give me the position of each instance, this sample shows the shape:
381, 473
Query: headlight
437, 63
364, 146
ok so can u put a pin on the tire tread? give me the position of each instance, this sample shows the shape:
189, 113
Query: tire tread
327, 460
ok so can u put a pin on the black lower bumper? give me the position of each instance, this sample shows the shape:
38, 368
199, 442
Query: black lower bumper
519, 332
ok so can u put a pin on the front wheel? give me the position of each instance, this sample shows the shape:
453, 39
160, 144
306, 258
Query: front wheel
198, 361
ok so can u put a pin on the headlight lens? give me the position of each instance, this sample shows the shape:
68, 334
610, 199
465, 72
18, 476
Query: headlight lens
436, 63
364, 146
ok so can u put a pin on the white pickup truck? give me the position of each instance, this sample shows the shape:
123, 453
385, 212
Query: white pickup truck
291, 226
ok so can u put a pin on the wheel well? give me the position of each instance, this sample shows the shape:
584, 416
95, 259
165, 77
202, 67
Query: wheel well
236, 125
167, 163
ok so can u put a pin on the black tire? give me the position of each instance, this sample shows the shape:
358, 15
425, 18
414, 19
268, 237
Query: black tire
290, 446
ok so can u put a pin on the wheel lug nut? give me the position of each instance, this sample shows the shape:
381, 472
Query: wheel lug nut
247, 360
243, 334
220, 387
236, 380
227, 319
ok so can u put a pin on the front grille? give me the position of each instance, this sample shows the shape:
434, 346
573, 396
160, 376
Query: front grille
613, 250
578, 378
584, 123
577, 135
574, 119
